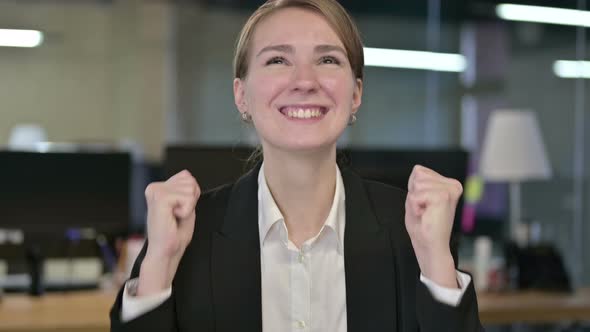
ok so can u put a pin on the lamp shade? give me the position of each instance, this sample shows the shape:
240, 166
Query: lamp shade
513, 148
26, 137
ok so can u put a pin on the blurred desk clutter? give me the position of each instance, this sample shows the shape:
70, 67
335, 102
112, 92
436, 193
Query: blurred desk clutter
534, 307
506, 266
84, 311
36, 264
88, 310
64, 209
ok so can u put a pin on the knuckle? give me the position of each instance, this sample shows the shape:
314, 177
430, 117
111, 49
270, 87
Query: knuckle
422, 169
197, 190
194, 188
409, 198
421, 173
150, 190
446, 196
183, 209
459, 188
416, 170
419, 186
455, 186
156, 194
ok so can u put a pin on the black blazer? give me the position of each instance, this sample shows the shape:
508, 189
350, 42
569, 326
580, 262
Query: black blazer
217, 284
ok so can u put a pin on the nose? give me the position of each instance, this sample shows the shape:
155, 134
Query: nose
305, 79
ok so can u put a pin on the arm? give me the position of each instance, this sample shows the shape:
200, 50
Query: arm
449, 295
429, 214
160, 318
170, 227
436, 316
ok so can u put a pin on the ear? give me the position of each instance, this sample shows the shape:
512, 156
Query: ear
357, 95
239, 95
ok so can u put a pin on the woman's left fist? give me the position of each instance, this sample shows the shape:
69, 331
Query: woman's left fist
430, 211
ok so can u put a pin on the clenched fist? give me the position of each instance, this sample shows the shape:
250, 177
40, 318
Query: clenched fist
170, 226
430, 211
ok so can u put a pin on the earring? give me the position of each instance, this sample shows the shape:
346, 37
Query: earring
352, 119
246, 117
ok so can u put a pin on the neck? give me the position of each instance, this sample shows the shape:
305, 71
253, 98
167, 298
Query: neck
303, 187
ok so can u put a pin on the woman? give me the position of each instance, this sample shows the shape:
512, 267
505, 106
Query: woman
297, 243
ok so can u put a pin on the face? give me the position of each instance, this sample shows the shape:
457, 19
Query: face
300, 89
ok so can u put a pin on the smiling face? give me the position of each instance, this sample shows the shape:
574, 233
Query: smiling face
300, 89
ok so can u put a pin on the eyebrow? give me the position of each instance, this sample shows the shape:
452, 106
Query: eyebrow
324, 48
280, 48
329, 48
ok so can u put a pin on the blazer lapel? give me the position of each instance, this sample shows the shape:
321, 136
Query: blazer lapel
369, 263
235, 261
368, 259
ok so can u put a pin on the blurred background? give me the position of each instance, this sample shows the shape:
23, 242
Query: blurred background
100, 97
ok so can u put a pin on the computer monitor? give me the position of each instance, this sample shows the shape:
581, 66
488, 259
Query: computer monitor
394, 166
45, 194
212, 166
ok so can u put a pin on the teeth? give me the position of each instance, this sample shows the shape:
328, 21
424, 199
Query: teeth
301, 113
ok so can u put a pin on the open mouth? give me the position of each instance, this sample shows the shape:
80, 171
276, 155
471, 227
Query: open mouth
304, 112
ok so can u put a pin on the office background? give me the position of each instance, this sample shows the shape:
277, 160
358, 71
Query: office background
147, 74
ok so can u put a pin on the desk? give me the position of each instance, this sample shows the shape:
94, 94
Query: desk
67, 312
88, 311
534, 307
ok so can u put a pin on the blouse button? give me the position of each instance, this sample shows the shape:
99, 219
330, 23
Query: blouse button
301, 324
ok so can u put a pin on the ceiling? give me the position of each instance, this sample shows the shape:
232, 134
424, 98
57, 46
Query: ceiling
454, 10
451, 10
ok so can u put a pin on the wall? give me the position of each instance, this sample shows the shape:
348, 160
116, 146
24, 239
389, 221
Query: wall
100, 75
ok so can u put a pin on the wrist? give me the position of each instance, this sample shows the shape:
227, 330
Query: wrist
440, 268
154, 276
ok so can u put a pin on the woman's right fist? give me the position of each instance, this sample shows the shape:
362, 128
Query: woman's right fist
170, 226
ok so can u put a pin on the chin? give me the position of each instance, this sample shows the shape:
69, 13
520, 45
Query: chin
302, 146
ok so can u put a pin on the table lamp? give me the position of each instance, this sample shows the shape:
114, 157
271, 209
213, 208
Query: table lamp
25, 137
513, 152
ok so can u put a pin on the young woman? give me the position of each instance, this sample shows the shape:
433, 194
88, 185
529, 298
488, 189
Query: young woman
297, 243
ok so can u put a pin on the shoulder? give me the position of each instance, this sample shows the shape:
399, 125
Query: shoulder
388, 204
217, 195
387, 201
211, 206
379, 191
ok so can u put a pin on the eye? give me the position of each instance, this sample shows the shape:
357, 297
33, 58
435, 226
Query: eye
277, 60
330, 60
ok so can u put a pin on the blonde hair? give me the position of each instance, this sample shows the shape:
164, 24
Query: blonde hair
330, 10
